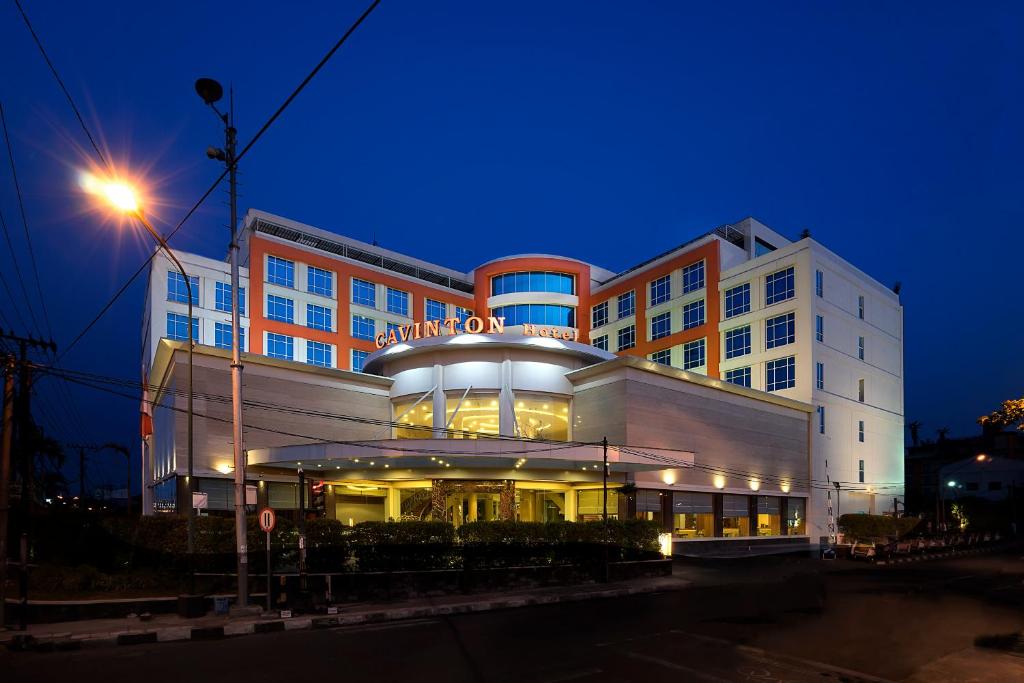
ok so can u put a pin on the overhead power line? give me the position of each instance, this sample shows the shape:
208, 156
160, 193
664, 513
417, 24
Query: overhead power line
263, 129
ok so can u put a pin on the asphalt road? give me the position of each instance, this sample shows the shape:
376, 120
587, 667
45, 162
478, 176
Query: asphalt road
765, 620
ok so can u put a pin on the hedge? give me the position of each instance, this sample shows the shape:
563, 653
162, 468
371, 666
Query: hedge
876, 527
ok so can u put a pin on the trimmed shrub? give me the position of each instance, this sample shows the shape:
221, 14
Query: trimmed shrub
876, 527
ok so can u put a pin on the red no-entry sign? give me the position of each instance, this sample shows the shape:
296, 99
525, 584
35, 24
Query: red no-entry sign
267, 520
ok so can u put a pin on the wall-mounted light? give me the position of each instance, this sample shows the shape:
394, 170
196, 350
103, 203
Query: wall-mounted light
785, 487
754, 484
719, 481
668, 477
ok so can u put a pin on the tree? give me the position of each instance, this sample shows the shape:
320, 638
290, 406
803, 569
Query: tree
915, 432
1010, 413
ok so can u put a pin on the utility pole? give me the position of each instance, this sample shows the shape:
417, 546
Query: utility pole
123, 450
81, 476
604, 487
211, 91
5, 478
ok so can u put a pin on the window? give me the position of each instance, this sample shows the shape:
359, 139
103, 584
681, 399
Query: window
358, 359
796, 516
363, 327
769, 518
661, 290
601, 342
819, 379
177, 291
819, 328
860, 390
740, 376
280, 271
280, 346
735, 516
664, 357
737, 300
779, 286
693, 315
319, 317
319, 281
627, 304
821, 419
737, 342
627, 337
599, 314
860, 307
508, 283
318, 353
222, 336
364, 293
693, 354
398, 301
860, 348
393, 327
661, 325
461, 314
761, 247
780, 374
693, 515
819, 283
435, 310
177, 327
860, 431
280, 309
536, 314
536, 416
693, 277
223, 300
860, 471
648, 506
779, 331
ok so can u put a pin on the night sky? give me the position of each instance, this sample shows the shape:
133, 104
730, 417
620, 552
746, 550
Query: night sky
459, 132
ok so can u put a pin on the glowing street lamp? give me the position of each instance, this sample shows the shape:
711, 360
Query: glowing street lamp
123, 197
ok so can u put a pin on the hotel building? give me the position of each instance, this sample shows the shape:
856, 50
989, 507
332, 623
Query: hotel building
735, 376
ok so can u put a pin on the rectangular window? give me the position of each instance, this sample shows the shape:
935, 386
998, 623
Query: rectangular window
627, 304
436, 310
780, 374
461, 314
779, 286
397, 301
661, 290
318, 353
693, 515
819, 328
280, 346
319, 281
860, 348
821, 419
280, 309
740, 376
737, 342
627, 337
392, 327
661, 325
177, 327
319, 317
223, 299
693, 277
281, 271
780, 330
737, 300
663, 357
599, 314
860, 307
363, 327
364, 293
693, 315
860, 390
693, 354
819, 283
860, 431
177, 291
601, 342
820, 376
735, 516
222, 336
358, 359
860, 471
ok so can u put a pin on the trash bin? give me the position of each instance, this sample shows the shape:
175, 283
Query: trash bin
220, 605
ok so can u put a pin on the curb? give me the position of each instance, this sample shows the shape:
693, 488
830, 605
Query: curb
65, 641
935, 556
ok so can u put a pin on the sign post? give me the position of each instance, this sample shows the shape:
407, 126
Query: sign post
267, 522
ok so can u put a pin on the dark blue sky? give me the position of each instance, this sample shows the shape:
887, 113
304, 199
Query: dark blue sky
606, 131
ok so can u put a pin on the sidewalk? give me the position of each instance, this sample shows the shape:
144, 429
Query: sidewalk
170, 627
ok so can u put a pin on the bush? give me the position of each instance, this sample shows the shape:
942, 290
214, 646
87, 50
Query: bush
876, 527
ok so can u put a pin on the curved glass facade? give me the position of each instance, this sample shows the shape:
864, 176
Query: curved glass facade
536, 314
510, 283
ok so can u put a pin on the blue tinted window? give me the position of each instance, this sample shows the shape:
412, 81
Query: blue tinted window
363, 327
461, 314
627, 304
663, 357
177, 327
661, 325
740, 376
320, 281
599, 315
601, 342
280, 346
537, 314
627, 337
222, 336
819, 328
398, 301
693, 277
177, 291
779, 331
780, 374
280, 309
318, 353
737, 342
280, 271
819, 283
693, 354
779, 286
364, 293
737, 300
436, 310
820, 378
693, 315
541, 281
319, 317
223, 298
661, 290
358, 360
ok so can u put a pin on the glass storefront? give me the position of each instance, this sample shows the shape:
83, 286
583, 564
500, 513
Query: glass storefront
648, 506
693, 515
540, 506
735, 516
353, 504
415, 504
420, 419
769, 519
542, 417
477, 416
796, 516
590, 505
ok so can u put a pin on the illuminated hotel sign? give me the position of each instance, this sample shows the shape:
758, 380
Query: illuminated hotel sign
473, 325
